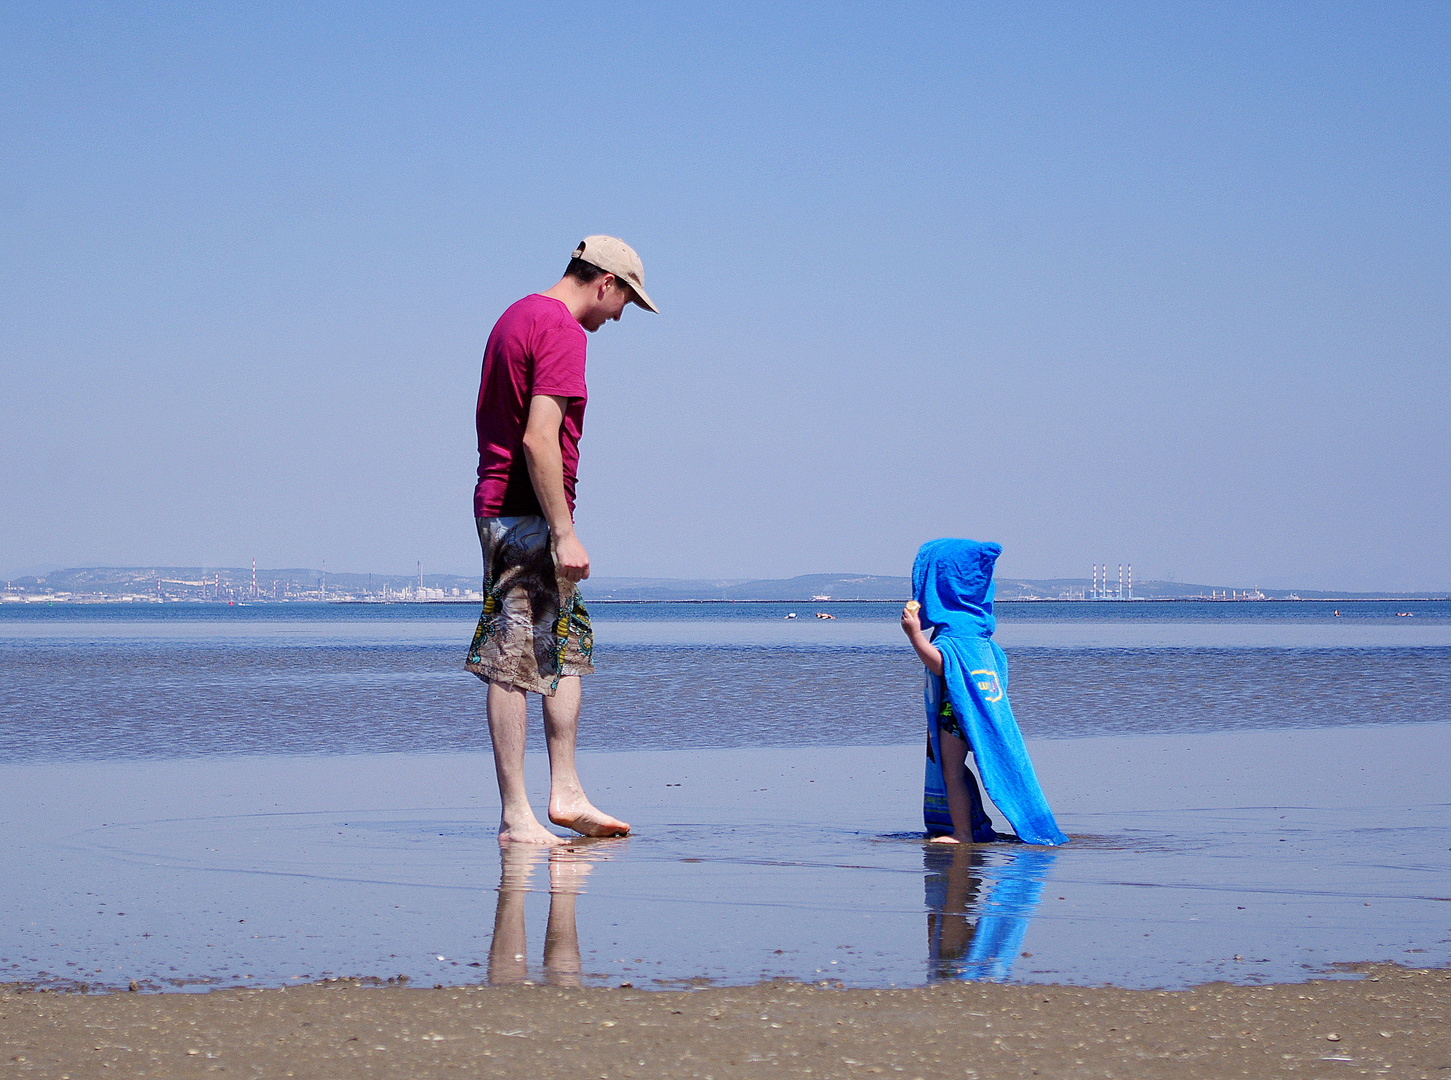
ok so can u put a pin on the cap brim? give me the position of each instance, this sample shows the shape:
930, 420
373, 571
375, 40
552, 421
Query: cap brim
643, 300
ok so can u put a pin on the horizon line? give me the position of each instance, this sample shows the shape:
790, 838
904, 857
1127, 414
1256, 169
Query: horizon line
716, 581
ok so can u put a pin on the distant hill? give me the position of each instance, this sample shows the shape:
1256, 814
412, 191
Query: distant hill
150, 583
1081, 588
232, 583
804, 587
887, 587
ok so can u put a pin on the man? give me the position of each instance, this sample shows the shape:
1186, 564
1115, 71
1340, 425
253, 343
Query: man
534, 634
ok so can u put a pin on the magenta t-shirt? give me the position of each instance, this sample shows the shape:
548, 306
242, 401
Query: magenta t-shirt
536, 347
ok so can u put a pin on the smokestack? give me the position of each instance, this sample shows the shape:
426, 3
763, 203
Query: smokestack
1120, 581
1131, 581
254, 579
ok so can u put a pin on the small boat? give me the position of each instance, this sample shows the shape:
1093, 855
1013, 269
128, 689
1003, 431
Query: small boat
791, 615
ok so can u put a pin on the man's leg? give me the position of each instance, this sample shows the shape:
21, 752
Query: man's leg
568, 805
508, 715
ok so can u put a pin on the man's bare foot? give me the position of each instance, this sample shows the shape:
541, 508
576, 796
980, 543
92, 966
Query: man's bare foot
944, 840
531, 833
584, 818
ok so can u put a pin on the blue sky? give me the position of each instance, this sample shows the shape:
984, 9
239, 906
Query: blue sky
1148, 283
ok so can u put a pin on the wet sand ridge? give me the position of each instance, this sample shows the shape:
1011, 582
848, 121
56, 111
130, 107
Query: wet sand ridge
1392, 1022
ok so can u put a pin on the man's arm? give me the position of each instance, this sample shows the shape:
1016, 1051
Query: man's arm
546, 473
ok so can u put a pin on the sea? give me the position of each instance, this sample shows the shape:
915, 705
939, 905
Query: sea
206, 795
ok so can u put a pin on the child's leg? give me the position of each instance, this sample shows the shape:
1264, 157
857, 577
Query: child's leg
954, 779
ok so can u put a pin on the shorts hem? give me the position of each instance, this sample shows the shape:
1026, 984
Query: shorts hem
544, 686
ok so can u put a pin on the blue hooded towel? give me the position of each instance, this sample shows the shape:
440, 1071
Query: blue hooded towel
953, 581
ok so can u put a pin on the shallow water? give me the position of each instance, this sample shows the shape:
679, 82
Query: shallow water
1306, 624
1251, 857
160, 700
291, 796
178, 680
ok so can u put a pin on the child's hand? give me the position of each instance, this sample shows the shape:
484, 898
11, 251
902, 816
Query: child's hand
912, 627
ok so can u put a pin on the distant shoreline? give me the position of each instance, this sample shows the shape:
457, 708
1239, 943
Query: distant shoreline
1057, 600
45, 601
236, 585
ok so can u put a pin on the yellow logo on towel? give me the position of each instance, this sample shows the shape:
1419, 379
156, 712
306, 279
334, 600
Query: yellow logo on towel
987, 682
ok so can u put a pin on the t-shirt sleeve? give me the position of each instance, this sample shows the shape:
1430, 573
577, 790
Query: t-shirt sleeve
559, 362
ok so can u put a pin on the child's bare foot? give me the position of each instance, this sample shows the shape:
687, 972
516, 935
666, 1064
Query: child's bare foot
582, 817
529, 833
945, 840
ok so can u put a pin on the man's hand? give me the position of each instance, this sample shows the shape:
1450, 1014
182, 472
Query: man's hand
571, 560
546, 473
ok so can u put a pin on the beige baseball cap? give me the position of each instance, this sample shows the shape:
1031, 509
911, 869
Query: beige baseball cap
617, 257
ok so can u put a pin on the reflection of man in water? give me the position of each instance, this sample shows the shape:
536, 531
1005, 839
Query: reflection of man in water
508, 958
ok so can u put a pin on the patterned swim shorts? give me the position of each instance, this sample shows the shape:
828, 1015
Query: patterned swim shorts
534, 629
947, 721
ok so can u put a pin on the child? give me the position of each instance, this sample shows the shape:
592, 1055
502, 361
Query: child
967, 701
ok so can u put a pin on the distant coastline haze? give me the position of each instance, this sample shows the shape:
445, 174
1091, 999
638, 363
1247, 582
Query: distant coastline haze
230, 585
1106, 283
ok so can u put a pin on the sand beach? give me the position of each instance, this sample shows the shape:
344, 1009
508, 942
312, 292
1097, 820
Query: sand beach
1390, 1021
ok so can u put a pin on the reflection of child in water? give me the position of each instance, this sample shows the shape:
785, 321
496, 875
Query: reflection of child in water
954, 904
950, 736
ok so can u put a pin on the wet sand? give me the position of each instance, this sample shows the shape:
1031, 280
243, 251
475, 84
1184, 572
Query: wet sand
1391, 1022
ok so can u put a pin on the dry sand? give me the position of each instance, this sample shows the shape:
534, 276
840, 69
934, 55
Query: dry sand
1392, 1022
